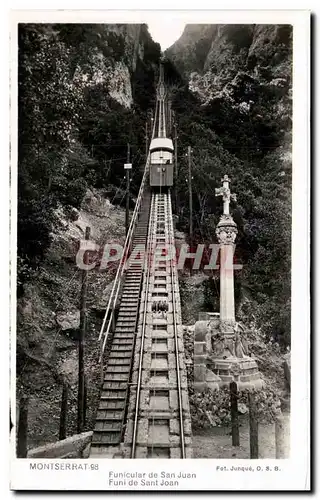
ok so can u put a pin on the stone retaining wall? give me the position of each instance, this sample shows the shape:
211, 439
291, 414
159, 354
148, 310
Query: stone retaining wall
76, 446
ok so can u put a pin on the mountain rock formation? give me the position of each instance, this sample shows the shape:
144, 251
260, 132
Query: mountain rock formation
216, 58
84, 93
233, 103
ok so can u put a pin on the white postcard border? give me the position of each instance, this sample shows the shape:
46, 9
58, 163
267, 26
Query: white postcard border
295, 471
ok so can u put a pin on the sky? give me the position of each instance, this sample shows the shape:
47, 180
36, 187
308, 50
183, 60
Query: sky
166, 34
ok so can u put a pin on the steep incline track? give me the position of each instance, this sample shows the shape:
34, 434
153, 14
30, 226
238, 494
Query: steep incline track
111, 413
158, 421
144, 409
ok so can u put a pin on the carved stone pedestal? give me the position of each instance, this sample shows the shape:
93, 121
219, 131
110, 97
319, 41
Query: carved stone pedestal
203, 376
220, 351
244, 371
221, 356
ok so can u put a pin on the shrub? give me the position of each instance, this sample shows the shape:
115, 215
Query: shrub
216, 404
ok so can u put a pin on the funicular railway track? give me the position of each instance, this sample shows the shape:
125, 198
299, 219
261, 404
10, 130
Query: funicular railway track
143, 410
159, 420
110, 418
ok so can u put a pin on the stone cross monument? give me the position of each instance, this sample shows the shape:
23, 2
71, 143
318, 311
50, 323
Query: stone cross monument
226, 193
220, 351
226, 232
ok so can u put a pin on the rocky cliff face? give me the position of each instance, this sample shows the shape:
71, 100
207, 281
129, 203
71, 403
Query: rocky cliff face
233, 105
226, 61
84, 91
83, 94
115, 53
224, 49
82, 97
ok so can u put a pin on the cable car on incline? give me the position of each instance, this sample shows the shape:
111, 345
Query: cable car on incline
161, 162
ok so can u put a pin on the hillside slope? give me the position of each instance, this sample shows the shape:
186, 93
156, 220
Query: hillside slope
84, 92
232, 98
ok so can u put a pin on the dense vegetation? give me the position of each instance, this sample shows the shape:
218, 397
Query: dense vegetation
241, 132
72, 134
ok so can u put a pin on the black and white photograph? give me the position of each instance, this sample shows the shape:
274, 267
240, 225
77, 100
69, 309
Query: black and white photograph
154, 177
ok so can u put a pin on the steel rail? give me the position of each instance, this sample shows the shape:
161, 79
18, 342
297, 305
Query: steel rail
174, 311
159, 119
152, 222
121, 267
143, 331
175, 329
164, 119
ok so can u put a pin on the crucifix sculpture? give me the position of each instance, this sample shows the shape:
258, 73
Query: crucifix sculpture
220, 354
224, 191
226, 232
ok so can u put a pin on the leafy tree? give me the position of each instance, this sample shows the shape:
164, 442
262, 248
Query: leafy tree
251, 147
71, 133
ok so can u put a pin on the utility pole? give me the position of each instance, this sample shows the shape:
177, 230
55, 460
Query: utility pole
63, 412
151, 123
83, 300
176, 164
146, 138
253, 426
22, 438
127, 167
190, 195
85, 400
233, 387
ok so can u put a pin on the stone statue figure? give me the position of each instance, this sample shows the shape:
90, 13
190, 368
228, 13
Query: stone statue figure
229, 348
218, 345
217, 340
241, 350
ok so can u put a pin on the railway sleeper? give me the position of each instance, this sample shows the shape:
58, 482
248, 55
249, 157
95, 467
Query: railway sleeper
106, 438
